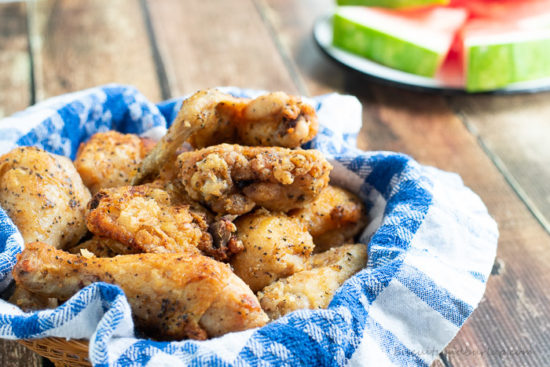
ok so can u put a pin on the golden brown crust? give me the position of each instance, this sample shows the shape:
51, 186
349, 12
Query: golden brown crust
211, 117
28, 301
234, 179
111, 159
44, 196
275, 246
171, 295
101, 247
145, 219
334, 218
313, 288
274, 119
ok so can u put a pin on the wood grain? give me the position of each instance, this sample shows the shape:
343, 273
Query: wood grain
81, 44
515, 130
14, 59
216, 43
515, 312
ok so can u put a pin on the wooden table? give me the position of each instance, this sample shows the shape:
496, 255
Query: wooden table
498, 144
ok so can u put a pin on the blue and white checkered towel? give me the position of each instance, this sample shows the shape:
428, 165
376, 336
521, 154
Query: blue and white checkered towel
431, 247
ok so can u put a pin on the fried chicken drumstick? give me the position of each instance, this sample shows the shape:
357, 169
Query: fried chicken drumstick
172, 296
234, 179
211, 117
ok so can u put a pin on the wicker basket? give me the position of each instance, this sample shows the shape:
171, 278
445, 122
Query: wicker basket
62, 352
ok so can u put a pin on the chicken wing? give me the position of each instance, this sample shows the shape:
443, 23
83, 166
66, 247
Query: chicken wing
313, 288
197, 112
44, 196
172, 296
275, 246
111, 159
211, 117
274, 119
334, 218
234, 179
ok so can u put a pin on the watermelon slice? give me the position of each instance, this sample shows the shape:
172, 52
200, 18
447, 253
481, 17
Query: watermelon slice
414, 41
396, 4
525, 13
496, 54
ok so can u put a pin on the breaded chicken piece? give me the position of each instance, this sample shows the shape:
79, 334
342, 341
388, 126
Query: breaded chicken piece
101, 247
28, 301
111, 159
197, 112
275, 246
211, 117
145, 219
313, 288
44, 196
172, 296
274, 119
334, 218
234, 179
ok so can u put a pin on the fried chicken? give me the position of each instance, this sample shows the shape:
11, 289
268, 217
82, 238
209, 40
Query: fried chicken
111, 159
197, 112
172, 296
147, 218
211, 117
334, 218
274, 119
101, 247
313, 288
234, 179
28, 301
44, 196
276, 246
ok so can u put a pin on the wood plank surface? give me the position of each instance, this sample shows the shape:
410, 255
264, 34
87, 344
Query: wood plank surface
85, 43
16, 95
213, 43
515, 129
512, 324
14, 59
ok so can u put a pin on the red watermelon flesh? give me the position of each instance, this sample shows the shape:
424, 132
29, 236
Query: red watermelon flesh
526, 13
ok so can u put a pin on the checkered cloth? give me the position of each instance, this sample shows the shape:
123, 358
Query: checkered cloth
431, 247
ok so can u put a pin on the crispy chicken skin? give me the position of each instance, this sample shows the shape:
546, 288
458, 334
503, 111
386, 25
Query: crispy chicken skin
110, 159
334, 218
44, 196
28, 301
197, 112
274, 119
210, 117
234, 179
172, 296
145, 219
276, 246
101, 247
313, 288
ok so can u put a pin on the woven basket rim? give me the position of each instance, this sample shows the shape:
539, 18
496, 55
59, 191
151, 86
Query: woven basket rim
61, 351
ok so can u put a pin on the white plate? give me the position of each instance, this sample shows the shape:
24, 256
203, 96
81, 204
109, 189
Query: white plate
322, 33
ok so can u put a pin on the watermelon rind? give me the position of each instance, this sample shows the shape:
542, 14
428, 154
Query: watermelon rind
384, 48
394, 4
492, 65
